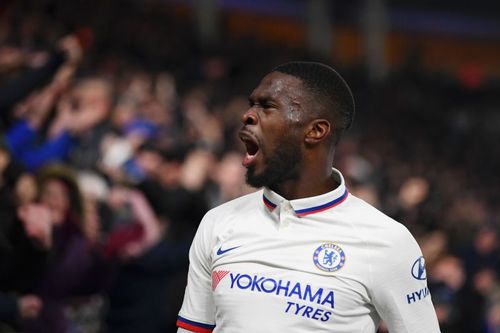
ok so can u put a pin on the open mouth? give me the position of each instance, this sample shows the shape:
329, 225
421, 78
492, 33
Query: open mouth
252, 148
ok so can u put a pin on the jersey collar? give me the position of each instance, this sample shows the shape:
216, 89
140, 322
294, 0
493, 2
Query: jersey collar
310, 205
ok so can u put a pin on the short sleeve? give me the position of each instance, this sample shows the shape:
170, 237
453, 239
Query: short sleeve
197, 313
399, 286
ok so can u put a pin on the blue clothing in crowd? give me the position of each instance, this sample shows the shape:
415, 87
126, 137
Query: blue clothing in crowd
21, 140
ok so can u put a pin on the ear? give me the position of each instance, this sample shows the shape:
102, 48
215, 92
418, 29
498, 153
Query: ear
318, 130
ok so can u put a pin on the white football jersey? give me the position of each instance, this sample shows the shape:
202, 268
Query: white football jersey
329, 263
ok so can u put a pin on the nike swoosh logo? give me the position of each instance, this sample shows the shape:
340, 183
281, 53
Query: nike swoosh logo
221, 251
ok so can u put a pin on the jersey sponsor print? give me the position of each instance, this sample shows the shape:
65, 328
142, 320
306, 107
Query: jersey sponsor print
300, 299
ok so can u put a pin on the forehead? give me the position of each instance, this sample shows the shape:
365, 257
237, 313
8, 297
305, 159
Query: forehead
54, 183
277, 85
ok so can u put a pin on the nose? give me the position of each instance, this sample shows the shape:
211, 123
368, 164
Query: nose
249, 118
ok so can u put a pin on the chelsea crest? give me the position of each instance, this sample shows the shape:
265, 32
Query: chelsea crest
329, 257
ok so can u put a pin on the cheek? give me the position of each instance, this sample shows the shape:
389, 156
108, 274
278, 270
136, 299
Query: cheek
281, 140
56, 198
285, 130
294, 117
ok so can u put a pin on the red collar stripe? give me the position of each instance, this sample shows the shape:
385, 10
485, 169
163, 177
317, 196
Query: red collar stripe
268, 203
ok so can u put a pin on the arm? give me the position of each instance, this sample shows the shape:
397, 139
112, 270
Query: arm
197, 313
181, 330
69, 53
15, 90
19, 136
54, 150
399, 286
147, 229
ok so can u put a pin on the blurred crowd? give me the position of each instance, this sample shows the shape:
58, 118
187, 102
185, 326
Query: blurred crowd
117, 138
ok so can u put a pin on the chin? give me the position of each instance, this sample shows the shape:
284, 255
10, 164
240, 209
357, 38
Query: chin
254, 180
263, 177
274, 169
266, 177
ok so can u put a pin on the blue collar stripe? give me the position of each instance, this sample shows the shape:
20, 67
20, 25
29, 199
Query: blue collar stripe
268, 202
331, 204
302, 212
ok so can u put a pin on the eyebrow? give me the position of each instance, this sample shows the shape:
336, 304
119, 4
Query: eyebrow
260, 99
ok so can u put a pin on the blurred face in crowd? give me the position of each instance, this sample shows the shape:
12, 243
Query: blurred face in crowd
273, 130
93, 92
4, 161
486, 241
26, 189
55, 195
91, 99
229, 173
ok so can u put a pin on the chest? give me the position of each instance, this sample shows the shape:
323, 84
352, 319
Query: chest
304, 273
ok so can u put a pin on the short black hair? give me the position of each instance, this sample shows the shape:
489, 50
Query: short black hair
328, 88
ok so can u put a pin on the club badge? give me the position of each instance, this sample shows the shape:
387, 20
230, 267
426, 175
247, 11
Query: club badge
329, 257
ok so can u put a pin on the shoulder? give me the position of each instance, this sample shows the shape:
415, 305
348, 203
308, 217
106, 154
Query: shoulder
391, 246
218, 221
231, 211
383, 235
374, 220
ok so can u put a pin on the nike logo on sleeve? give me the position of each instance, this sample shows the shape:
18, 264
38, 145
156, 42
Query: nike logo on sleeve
220, 251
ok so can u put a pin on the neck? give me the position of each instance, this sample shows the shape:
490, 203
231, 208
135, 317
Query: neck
315, 178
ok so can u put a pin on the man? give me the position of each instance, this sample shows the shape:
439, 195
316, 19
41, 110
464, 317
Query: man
302, 255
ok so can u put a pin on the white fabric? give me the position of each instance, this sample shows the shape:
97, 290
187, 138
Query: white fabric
269, 280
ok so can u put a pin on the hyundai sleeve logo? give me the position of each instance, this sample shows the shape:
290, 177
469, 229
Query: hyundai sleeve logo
418, 269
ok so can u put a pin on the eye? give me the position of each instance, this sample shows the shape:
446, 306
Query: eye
261, 103
268, 105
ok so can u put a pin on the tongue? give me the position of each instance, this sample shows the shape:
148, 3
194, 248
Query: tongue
248, 159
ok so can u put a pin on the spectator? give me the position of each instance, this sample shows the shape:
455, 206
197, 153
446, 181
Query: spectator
55, 224
146, 261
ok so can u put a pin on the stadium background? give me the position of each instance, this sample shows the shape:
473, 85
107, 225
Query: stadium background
138, 102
